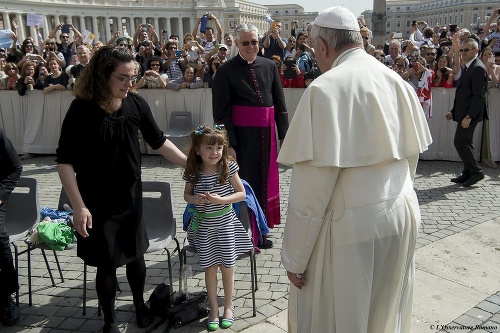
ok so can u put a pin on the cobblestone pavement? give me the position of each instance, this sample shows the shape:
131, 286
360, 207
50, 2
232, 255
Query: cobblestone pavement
446, 208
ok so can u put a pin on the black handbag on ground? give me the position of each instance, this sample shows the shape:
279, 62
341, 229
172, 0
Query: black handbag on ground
179, 310
160, 300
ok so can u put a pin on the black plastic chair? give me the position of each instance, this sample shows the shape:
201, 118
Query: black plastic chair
157, 212
23, 211
245, 221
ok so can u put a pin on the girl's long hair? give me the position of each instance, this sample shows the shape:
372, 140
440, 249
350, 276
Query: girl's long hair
93, 83
209, 135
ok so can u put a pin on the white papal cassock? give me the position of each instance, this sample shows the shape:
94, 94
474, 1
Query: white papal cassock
353, 215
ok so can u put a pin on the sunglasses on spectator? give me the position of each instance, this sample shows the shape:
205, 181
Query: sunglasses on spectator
430, 53
464, 50
64, 36
246, 43
365, 37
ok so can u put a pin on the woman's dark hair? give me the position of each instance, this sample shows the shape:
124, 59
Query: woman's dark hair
154, 58
309, 76
10, 65
26, 42
93, 83
448, 62
300, 34
26, 65
484, 50
189, 66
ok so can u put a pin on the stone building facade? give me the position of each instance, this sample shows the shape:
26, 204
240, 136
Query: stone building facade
399, 14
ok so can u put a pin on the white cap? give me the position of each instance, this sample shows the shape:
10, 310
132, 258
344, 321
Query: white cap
223, 46
337, 17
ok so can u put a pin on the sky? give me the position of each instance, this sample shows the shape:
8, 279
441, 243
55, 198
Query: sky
355, 6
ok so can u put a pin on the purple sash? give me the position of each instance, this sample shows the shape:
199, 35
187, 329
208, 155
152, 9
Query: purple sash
257, 116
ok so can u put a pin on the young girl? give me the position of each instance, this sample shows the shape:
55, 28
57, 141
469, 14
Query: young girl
213, 185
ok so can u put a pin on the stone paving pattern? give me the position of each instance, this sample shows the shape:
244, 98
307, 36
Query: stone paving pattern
446, 209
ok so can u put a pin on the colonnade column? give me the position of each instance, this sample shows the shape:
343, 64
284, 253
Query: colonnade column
179, 26
21, 34
107, 28
95, 31
157, 27
169, 26
46, 28
82, 24
192, 23
6, 20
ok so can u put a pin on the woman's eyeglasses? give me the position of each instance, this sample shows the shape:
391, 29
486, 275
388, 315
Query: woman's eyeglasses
246, 43
125, 79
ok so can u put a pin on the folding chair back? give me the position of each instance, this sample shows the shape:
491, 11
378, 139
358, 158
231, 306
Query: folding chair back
23, 211
180, 124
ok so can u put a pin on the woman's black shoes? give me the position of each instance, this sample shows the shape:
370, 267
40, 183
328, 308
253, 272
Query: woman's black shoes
143, 314
110, 328
9, 311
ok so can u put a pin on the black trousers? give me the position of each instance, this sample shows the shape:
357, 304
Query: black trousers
465, 148
8, 275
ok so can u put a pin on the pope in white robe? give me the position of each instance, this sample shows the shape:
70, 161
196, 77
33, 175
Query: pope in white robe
353, 215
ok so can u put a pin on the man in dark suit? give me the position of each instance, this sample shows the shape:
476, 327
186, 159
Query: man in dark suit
469, 108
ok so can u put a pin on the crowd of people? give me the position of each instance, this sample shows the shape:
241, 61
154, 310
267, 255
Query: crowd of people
164, 62
430, 57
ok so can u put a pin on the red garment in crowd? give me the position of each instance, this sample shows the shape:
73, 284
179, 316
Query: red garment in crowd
297, 82
443, 83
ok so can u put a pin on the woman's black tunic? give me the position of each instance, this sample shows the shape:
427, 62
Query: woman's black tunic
105, 154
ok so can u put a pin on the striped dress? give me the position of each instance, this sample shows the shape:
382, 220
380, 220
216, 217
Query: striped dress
219, 240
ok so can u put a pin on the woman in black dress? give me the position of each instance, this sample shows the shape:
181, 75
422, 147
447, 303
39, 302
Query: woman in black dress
99, 164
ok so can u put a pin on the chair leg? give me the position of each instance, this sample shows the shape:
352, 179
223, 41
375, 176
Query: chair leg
84, 289
28, 254
254, 281
16, 267
255, 270
169, 268
183, 263
48, 267
58, 266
